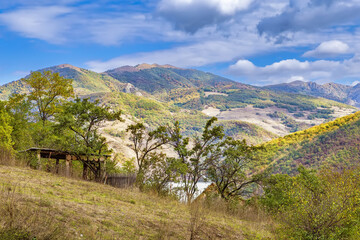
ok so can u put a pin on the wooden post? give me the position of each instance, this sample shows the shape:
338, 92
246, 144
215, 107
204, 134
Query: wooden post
57, 166
67, 165
38, 154
85, 170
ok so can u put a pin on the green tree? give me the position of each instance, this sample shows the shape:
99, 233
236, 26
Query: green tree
232, 170
159, 171
145, 144
48, 90
6, 142
315, 206
196, 158
20, 111
83, 119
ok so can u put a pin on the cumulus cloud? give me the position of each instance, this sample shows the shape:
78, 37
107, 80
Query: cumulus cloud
310, 15
45, 23
60, 24
329, 49
192, 55
293, 69
112, 31
191, 15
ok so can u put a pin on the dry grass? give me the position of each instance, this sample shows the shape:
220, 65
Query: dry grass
35, 203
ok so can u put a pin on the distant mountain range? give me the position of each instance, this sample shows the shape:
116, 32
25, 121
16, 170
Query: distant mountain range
198, 95
334, 91
160, 94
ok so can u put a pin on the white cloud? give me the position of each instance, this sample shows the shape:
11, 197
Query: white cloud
45, 23
192, 15
332, 48
59, 24
226, 7
112, 31
293, 69
243, 66
311, 15
296, 78
193, 55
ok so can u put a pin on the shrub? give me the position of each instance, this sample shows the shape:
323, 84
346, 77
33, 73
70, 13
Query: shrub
314, 206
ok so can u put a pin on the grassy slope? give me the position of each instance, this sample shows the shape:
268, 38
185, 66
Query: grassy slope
335, 143
48, 205
85, 82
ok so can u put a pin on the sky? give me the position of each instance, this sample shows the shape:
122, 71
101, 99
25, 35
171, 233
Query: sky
258, 42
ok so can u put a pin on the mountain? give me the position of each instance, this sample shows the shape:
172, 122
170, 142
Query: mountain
84, 82
157, 78
335, 144
230, 100
196, 96
334, 91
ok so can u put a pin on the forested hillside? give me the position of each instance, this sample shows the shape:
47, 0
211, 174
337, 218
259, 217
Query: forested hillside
331, 145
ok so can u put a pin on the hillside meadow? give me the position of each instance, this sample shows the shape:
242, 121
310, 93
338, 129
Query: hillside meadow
40, 205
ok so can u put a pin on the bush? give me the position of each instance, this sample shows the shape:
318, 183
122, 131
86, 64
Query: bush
314, 206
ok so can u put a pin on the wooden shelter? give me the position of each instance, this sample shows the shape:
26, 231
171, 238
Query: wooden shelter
91, 161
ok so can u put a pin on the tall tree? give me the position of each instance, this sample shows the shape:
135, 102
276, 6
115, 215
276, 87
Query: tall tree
196, 156
83, 118
155, 169
6, 142
48, 89
145, 142
231, 172
20, 111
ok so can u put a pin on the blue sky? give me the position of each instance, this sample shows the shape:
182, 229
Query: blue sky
253, 41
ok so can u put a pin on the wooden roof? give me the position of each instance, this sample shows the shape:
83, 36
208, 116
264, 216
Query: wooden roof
58, 154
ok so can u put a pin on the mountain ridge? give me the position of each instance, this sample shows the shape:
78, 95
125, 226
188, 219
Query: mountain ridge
167, 77
196, 93
334, 91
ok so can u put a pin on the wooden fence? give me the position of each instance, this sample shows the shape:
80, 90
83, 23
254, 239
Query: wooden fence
121, 180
